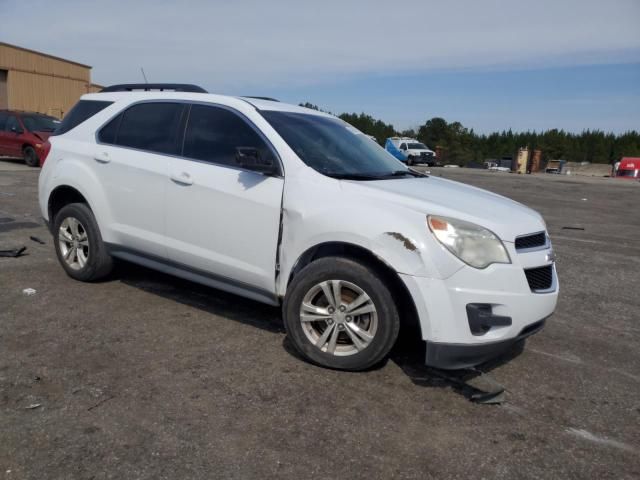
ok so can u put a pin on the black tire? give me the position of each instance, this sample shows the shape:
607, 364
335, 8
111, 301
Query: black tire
30, 156
98, 263
347, 270
409, 161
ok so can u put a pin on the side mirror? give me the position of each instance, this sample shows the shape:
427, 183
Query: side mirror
251, 159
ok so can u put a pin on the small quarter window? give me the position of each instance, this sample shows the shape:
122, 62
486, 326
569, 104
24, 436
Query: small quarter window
109, 132
83, 110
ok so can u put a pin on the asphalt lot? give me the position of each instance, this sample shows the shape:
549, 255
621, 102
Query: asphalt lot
147, 376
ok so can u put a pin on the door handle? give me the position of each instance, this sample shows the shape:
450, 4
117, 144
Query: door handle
183, 178
102, 157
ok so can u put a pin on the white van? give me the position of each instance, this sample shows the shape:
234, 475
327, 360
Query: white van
294, 207
410, 151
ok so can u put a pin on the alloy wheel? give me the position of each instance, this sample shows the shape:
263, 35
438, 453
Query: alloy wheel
338, 317
74, 243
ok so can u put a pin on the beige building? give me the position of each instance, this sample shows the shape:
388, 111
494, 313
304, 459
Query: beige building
38, 82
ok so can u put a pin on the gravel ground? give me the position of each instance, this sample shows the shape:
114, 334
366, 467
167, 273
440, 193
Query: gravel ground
148, 376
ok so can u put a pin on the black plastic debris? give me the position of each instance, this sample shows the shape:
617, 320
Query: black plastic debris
14, 252
572, 228
37, 240
489, 393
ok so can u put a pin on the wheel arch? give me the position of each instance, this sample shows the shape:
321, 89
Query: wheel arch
404, 301
63, 195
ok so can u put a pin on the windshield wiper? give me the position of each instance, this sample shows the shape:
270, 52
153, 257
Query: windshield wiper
402, 173
352, 176
370, 176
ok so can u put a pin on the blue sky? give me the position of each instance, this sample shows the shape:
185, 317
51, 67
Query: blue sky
605, 97
490, 64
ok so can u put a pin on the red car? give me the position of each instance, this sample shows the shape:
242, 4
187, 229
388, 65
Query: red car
25, 134
629, 168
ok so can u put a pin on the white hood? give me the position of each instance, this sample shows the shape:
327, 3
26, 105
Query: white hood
438, 196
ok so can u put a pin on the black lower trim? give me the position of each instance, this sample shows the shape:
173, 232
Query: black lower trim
452, 356
193, 274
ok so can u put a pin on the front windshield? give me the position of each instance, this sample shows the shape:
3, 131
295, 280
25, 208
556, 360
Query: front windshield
417, 146
40, 123
333, 147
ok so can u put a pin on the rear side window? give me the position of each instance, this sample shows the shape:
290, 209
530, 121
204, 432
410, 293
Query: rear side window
146, 126
214, 134
82, 111
3, 120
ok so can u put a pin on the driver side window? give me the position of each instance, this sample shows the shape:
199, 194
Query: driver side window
403, 146
215, 134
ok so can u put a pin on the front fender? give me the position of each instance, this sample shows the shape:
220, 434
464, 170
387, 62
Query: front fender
403, 252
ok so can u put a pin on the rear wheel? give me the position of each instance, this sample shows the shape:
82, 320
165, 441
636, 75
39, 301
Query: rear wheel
339, 314
79, 245
30, 156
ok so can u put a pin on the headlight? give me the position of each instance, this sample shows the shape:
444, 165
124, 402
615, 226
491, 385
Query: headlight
473, 244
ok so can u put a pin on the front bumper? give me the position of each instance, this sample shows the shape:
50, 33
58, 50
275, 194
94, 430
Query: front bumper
451, 356
513, 311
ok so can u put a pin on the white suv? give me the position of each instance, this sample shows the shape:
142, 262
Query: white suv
294, 207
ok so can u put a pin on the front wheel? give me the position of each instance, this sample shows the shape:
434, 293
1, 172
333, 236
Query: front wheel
30, 156
339, 314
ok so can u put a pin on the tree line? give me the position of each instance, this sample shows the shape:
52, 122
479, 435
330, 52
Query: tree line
462, 145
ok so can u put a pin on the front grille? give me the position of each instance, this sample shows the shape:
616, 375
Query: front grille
540, 278
426, 154
531, 241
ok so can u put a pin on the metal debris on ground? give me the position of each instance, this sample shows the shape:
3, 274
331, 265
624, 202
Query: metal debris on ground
33, 406
29, 291
494, 394
13, 252
37, 240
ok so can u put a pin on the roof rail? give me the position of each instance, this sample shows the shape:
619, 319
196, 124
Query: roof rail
171, 87
262, 98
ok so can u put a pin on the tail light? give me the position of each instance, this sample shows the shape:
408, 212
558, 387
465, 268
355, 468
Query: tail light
46, 148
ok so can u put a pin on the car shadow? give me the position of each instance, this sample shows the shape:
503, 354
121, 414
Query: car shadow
207, 299
474, 383
14, 160
408, 353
